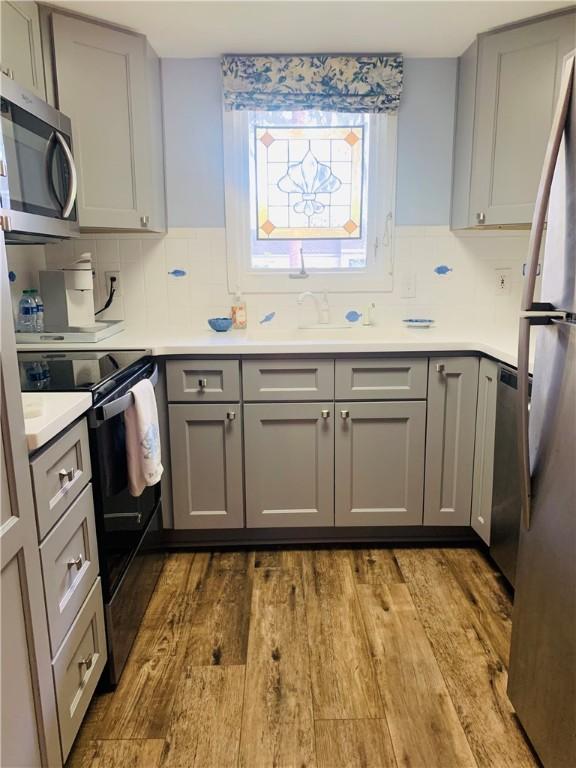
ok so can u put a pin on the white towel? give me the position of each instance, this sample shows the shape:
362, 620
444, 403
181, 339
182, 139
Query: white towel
143, 439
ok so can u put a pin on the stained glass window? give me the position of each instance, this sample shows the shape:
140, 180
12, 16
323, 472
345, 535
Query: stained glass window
309, 181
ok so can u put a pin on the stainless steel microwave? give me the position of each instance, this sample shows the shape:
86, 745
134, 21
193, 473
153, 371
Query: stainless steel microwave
38, 180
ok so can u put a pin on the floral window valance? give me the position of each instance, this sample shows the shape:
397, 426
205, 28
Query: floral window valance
347, 83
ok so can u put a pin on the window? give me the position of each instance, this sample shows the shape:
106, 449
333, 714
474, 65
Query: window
309, 193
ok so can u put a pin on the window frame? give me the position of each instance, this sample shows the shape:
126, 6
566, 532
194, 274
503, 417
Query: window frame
377, 276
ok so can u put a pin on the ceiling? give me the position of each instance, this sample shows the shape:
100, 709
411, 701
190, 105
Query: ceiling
416, 28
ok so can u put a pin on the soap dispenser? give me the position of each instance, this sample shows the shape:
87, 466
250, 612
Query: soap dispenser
368, 314
239, 316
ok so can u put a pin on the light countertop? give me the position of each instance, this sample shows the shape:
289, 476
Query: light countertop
56, 410
354, 340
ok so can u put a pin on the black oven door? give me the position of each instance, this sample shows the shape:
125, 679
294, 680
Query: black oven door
121, 519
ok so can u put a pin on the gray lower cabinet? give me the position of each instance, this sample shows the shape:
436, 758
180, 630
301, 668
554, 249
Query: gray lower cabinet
289, 464
452, 397
484, 450
508, 81
108, 83
21, 48
206, 455
380, 463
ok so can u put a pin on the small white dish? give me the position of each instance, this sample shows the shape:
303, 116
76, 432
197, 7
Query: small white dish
418, 322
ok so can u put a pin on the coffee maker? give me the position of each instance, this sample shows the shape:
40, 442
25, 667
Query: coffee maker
68, 295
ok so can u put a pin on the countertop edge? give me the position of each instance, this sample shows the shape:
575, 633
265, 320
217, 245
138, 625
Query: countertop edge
41, 429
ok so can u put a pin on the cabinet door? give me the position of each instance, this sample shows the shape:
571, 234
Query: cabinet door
29, 730
206, 454
452, 395
484, 450
21, 49
101, 76
380, 463
518, 76
289, 453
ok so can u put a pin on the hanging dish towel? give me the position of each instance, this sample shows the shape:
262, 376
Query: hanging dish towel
143, 439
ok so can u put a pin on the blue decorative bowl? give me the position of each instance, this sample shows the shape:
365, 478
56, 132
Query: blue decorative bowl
220, 324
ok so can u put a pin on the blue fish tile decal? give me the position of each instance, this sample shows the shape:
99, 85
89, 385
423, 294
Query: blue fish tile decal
268, 318
442, 269
352, 316
178, 273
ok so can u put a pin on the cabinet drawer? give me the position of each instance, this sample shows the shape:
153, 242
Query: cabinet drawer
273, 380
382, 379
78, 666
202, 381
59, 474
70, 565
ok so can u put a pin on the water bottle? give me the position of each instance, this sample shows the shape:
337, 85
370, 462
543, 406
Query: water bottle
35, 377
27, 311
39, 310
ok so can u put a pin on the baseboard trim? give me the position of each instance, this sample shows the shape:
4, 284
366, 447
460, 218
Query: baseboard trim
275, 537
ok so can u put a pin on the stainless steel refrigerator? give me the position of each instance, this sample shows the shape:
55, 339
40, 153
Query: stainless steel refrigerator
542, 675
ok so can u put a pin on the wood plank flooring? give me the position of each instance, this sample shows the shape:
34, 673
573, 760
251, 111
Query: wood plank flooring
328, 658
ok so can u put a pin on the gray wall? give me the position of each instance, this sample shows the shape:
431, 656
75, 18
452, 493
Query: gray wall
193, 136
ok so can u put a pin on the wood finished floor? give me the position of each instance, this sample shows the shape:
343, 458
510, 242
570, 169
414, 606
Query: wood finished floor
368, 658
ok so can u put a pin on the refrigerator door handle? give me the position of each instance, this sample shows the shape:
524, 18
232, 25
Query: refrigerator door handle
536, 235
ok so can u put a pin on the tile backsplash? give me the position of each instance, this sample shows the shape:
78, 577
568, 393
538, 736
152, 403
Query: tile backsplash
179, 280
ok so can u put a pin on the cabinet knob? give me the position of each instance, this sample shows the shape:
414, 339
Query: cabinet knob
202, 383
481, 217
76, 562
440, 368
345, 414
66, 476
325, 413
231, 415
87, 662
144, 221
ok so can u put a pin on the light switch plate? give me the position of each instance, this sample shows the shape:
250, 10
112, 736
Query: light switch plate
408, 284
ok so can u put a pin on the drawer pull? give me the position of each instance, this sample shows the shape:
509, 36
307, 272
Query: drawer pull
87, 662
440, 368
325, 413
66, 476
76, 562
202, 384
345, 414
231, 415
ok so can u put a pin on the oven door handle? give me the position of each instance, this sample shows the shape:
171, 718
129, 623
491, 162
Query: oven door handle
112, 409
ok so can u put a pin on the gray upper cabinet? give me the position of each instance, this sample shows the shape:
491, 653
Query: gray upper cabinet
21, 51
452, 397
108, 83
484, 451
507, 88
206, 453
380, 463
289, 456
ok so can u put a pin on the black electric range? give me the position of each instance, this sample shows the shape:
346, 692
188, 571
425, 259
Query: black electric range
127, 527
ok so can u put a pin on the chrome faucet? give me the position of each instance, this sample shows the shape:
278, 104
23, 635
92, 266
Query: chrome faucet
322, 307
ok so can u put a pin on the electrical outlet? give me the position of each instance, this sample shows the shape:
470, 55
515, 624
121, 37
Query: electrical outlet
503, 279
117, 284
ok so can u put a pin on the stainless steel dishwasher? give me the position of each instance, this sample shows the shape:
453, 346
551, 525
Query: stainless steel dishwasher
506, 505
